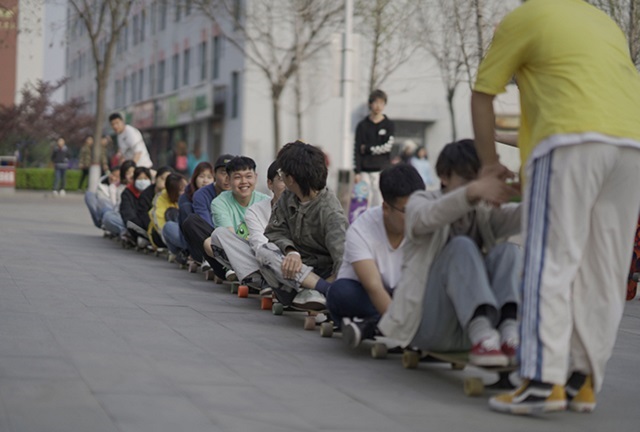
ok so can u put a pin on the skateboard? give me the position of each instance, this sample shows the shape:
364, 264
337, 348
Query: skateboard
359, 203
634, 272
473, 386
312, 319
243, 291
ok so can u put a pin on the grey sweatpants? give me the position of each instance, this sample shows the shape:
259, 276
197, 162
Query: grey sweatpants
234, 252
270, 258
460, 280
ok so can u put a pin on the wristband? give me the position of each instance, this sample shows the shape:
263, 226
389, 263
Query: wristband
293, 252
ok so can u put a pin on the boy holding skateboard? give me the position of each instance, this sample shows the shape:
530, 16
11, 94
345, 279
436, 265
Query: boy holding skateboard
458, 290
306, 231
580, 146
373, 256
372, 148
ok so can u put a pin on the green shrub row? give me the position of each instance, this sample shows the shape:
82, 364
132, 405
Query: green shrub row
42, 179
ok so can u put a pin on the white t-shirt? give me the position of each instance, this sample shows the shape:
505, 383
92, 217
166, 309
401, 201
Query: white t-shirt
130, 142
367, 239
257, 217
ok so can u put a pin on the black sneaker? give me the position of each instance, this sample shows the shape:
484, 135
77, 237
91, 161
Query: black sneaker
355, 330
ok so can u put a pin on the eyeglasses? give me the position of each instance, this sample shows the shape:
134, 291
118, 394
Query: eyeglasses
396, 208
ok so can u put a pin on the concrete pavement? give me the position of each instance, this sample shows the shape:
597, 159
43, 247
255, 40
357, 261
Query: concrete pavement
96, 338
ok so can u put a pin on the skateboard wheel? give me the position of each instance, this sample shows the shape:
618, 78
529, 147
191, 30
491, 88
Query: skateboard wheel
277, 309
243, 291
233, 289
457, 366
326, 329
473, 386
209, 275
310, 322
410, 359
193, 267
266, 303
379, 350
171, 258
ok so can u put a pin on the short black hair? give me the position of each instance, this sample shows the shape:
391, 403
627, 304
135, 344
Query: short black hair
141, 170
399, 181
240, 163
459, 157
377, 94
124, 168
306, 164
164, 169
272, 171
114, 116
172, 185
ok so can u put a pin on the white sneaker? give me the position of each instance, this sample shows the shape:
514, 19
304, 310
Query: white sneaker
62, 192
309, 300
142, 242
230, 275
205, 267
55, 193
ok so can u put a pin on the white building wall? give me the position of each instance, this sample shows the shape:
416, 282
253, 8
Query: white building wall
30, 44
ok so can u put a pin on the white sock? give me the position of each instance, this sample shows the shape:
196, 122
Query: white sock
509, 332
481, 330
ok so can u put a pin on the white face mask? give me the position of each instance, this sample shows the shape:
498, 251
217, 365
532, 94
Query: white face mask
142, 184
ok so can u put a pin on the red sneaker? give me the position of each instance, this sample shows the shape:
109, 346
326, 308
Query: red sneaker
487, 353
510, 349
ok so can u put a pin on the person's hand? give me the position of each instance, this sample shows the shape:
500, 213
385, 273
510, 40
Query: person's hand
492, 190
496, 170
291, 265
357, 178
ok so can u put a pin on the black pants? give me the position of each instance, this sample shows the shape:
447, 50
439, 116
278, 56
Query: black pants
196, 230
85, 175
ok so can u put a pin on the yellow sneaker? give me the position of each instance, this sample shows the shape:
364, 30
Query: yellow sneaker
584, 398
531, 398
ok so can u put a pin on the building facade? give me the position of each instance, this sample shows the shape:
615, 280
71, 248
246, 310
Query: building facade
176, 77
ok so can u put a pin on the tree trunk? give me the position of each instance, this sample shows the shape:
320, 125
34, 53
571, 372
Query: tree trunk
298, 94
479, 28
376, 47
276, 92
95, 170
450, 94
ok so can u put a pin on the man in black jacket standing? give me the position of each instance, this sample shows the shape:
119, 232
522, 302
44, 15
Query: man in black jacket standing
373, 144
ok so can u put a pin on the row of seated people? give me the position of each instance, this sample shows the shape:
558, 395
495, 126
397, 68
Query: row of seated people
428, 269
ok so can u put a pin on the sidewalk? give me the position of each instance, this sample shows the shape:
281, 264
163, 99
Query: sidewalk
96, 338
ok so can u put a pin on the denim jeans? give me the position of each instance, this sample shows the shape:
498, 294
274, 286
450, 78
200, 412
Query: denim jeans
173, 237
347, 298
96, 208
60, 180
113, 222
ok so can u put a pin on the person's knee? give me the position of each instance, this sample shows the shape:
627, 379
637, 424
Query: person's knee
461, 246
507, 253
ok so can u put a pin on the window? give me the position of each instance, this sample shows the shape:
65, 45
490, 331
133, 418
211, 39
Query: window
125, 83
163, 14
178, 10
215, 66
140, 84
152, 17
136, 30
134, 87
176, 71
235, 89
116, 94
143, 18
125, 38
186, 60
152, 80
203, 61
161, 70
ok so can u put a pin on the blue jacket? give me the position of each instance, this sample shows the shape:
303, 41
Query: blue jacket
202, 202
185, 207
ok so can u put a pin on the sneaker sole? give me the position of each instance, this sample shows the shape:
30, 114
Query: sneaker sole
486, 361
351, 335
528, 408
582, 407
312, 306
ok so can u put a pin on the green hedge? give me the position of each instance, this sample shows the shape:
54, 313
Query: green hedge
42, 179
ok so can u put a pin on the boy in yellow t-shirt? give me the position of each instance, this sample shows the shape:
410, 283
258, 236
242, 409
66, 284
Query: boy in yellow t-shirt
580, 149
